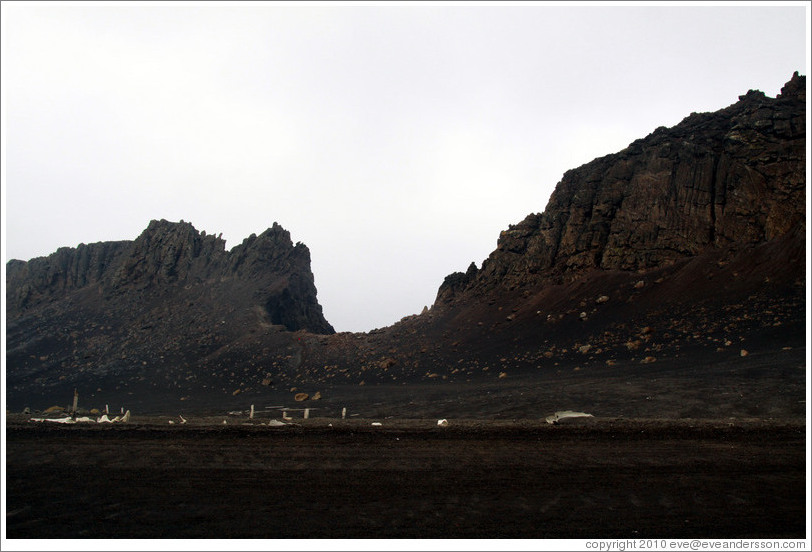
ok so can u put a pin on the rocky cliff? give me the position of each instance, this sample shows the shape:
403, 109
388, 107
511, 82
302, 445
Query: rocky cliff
158, 308
735, 176
686, 248
168, 257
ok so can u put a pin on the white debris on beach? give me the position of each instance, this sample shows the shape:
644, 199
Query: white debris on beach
67, 420
561, 414
84, 419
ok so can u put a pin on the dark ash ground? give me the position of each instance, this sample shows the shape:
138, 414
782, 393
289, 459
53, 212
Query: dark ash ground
408, 479
669, 454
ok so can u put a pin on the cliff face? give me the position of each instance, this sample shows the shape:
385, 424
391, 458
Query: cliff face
46, 278
735, 176
168, 256
687, 248
151, 313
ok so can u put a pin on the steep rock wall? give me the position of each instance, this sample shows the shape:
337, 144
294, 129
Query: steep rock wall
716, 179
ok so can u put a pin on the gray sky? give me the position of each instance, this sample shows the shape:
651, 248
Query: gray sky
396, 141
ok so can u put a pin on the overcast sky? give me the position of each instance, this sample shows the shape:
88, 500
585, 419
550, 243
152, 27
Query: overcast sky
395, 141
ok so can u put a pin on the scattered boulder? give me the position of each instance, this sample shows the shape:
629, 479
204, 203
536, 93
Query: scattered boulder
299, 397
633, 345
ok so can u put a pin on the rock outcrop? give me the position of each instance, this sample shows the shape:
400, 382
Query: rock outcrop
170, 308
735, 176
664, 256
168, 256
43, 279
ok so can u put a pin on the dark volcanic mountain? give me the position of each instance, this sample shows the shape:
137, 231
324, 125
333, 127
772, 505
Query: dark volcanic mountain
717, 180
172, 262
688, 243
682, 256
164, 305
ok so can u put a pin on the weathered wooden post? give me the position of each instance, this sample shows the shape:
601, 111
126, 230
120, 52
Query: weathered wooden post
343, 412
75, 402
306, 413
251, 415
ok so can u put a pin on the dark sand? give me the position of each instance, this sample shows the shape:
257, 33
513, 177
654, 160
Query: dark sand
586, 478
709, 448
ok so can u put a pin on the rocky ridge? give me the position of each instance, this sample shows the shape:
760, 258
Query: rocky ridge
734, 176
112, 315
167, 257
687, 248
